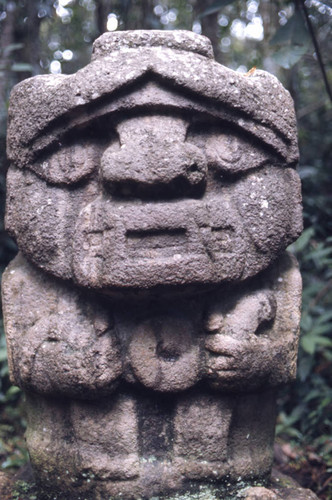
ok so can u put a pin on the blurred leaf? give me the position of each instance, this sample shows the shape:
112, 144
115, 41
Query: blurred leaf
305, 366
310, 343
321, 329
6, 428
294, 32
11, 395
295, 415
20, 67
288, 430
302, 242
286, 423
13, 390
293, 39
3, 355
324, 318
287, 56
306, 322
14, 461
215, 7
12, 47
319, 254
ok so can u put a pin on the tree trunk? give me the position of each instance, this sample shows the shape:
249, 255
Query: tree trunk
6, 40
32, 37
104, 7
210, 26
269, 12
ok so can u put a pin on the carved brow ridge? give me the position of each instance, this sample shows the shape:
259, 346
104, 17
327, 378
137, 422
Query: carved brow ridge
115, 102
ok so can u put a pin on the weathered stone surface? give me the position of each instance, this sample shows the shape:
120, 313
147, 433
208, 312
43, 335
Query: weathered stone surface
259, 102
76, 344
103, 232
281, 487
152, 312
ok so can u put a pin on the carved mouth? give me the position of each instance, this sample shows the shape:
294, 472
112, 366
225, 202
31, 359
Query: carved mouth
171, 232
156, 242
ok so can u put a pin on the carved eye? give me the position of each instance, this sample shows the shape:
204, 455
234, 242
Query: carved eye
232, 154
69, 164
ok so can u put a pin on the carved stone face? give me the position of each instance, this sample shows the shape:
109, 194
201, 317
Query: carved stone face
152, 169
154, 188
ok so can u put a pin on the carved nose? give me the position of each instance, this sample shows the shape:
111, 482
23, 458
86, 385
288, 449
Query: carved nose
154, 166
154, 157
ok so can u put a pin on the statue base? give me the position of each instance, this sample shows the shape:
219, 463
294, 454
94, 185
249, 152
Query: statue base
280, 487
145, 445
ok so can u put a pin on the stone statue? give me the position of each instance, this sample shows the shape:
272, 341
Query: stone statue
152, 311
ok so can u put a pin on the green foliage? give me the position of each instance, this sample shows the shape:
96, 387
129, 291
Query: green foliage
293, 32
22, 67
306, 408
216, 7
307, 405
286, 56
13, 452
24, 491
40, 36
293, 41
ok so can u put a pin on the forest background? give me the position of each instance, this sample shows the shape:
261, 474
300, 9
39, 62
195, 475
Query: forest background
291, 39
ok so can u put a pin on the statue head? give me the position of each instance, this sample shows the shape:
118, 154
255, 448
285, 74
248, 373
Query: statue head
153, 167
